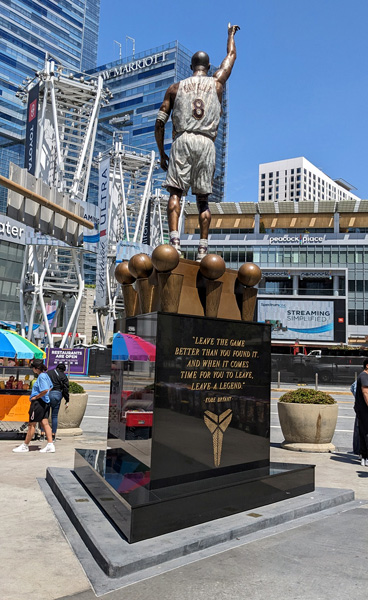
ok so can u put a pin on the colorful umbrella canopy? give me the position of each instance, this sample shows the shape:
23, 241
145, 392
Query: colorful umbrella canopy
14, 345
132, 347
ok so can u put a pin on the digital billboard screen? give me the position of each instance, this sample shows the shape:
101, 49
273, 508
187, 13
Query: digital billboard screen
303, 320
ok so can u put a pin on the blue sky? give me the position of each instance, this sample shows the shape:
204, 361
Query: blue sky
299, 86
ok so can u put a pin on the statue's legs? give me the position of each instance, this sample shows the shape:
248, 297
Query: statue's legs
173, 214
204, 225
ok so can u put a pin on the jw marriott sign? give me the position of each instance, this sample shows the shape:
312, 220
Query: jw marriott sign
136, 65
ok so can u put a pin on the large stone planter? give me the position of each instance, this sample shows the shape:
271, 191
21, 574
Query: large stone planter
308, 427
70, 418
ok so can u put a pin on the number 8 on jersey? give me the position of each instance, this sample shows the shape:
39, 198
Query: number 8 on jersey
198, 109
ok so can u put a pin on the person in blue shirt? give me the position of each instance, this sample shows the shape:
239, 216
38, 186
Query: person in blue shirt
40, 408
60, 389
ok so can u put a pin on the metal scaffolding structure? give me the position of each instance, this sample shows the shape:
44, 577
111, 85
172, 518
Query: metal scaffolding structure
134, 222
68, 119
67, 125
52, 272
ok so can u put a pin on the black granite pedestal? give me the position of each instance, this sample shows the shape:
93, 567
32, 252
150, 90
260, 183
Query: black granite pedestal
189, 435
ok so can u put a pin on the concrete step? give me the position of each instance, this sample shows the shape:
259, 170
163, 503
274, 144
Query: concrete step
118, 559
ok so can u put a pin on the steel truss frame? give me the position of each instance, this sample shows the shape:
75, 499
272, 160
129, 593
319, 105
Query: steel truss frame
130, 189
52, 272
68, 119
133, 203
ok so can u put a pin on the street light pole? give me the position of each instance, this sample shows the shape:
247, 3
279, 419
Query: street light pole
119, 44
127, 37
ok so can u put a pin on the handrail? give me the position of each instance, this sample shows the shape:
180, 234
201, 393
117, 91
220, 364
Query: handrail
19, 189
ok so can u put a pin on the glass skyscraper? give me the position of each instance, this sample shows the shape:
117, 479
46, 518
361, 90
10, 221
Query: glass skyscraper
66, 29
138, 84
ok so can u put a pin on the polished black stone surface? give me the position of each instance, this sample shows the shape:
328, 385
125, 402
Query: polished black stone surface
210, 395
207, 453
145, 513
212, 398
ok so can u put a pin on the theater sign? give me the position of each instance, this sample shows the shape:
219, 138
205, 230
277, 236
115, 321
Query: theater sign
11, 230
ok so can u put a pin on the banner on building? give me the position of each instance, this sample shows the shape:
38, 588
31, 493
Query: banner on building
125, 250
75, 359
147, 225
298, 319
103, 204
48, 152
51, 309
114, 219
31, 130
91, 212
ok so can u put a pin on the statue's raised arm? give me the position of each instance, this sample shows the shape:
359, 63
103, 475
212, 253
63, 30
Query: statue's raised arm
224, 72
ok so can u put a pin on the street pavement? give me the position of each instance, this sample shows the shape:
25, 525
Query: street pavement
311, 559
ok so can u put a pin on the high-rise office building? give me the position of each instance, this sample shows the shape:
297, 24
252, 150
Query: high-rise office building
138, 85
298, 180
66, 29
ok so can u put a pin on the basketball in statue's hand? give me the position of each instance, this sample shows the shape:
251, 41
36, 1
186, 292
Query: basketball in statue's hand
249, 274
212, 266
165, 258
140, 266
122, 273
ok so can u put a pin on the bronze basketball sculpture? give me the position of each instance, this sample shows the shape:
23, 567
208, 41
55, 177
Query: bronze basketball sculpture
212, 266
140, 266
165, 258
249, 274
122, 273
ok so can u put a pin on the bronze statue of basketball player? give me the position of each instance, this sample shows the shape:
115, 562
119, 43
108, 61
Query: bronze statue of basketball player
195, 103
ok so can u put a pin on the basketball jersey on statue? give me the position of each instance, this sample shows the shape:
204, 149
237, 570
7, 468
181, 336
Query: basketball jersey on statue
197, 108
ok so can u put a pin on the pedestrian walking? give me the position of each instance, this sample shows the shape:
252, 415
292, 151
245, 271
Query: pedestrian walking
356, 448
361, 410
60, 390
40, 408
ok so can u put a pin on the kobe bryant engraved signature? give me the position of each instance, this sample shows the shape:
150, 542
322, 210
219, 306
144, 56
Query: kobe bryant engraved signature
217, 424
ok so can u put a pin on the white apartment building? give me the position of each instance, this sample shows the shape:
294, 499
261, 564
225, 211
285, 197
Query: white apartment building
297, 180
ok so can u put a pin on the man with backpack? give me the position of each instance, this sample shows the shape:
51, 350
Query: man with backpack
60, 390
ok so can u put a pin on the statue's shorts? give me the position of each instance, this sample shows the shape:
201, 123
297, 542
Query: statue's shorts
192, 163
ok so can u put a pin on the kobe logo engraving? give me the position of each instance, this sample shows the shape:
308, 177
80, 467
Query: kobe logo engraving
217, 424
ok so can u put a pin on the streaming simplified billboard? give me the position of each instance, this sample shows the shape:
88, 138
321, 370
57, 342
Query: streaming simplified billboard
304, 320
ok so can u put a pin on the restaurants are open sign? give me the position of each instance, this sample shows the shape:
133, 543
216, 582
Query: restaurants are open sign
75, 359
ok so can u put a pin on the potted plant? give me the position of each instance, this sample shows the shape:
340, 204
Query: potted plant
308, 420
71, 415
